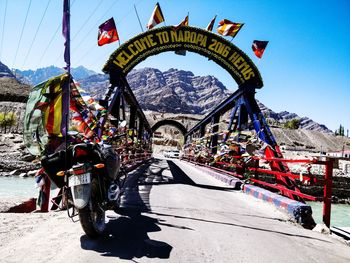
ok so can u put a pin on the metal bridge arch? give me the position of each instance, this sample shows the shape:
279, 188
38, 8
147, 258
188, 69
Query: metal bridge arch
242, 103
174, 123
200, 41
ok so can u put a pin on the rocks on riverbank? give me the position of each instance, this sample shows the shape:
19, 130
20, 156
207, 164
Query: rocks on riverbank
15, 160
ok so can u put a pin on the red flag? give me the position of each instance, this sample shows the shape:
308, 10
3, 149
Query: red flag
259, 47
211, 24
156, 17
107, 33
228, 28
182, 23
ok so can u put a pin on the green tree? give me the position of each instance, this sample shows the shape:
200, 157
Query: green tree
292, 124
8, 119
340, 131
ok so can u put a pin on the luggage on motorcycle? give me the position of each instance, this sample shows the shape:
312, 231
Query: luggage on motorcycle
85, 152
54, 163
112, 161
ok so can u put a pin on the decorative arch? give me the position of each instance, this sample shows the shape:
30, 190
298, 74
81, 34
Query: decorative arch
200, 41
171, 123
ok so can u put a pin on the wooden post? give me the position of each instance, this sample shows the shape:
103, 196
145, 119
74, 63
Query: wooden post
327, 192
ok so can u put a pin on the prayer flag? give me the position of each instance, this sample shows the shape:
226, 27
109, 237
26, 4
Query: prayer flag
228, 28
107, 33
43, 116
182, 23
259, 47
156, 17
211, 24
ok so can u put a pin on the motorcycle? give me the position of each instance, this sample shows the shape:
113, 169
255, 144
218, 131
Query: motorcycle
92, 181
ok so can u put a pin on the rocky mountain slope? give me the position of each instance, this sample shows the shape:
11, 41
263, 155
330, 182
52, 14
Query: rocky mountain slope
284, 116
5, 71
10, 88
172, 91
176, 91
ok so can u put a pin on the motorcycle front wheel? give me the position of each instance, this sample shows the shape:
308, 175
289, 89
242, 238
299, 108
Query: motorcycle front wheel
92, 216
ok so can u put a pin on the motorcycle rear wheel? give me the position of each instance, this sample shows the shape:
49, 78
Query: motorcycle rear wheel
92, 216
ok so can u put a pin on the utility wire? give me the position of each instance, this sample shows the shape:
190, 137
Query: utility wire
87, 20
3, 29
36, 33
94, 44
93, 12
48, 45
52, 38
20, 38
95, 25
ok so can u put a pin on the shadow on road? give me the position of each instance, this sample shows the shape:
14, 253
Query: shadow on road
180, 177
127, 238
238, 225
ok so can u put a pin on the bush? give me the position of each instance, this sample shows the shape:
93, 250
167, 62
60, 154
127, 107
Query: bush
292, 124
8, 119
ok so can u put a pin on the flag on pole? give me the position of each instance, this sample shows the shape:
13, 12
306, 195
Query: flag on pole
228, 28
65, 89
107, 33
66, 33
182, 23
211, 24
259, 47
156, 17
47, 97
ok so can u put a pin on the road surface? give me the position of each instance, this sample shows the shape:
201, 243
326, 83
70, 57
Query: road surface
172, 212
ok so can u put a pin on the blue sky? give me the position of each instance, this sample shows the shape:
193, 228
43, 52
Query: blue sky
305, 68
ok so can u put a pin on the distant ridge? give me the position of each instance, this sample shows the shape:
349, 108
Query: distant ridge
5, 72
34, 77
172, 91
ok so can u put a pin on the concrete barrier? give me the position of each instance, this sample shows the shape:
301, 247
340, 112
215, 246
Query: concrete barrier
228, 179
300, 212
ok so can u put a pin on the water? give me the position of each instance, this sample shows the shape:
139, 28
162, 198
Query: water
17, 188
340, 213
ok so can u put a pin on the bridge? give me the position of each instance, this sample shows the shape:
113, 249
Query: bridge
178, 209
208, 142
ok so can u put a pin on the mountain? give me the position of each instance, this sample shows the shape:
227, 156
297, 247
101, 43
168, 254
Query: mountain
176, 91
172, 91
12, 90
284, 116
34, 77
5, 71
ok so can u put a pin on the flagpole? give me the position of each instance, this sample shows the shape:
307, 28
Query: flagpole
66, 89
137, 14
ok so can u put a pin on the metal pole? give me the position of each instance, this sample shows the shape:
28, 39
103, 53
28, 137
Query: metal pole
327, 192
138, 17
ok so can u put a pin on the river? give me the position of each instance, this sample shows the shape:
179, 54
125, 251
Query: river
18, 188
24, 188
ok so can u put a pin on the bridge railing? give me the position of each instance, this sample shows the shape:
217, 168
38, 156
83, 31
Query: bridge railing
255, 170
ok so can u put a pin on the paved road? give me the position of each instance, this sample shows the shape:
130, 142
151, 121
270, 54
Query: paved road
175, 213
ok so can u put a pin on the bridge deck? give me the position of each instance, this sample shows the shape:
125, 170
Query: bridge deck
177, 211
173, 212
